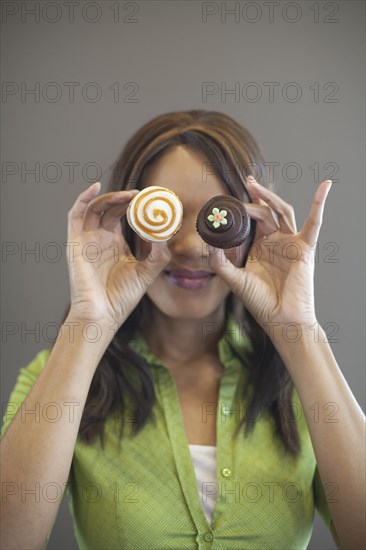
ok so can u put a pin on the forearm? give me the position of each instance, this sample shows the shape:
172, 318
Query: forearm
37, 450
338, 439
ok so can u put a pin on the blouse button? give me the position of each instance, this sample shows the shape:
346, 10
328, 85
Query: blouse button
208, 537
226, 472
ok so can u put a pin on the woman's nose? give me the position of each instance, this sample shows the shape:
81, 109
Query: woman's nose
187, 242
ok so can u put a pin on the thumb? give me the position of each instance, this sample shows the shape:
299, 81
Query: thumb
233, 276
158, 257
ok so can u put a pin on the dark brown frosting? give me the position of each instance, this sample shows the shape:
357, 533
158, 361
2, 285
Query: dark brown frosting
225, 235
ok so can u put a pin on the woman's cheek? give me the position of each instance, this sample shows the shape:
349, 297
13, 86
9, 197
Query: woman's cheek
235, 255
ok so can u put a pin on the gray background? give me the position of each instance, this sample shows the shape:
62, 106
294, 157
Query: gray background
168, 50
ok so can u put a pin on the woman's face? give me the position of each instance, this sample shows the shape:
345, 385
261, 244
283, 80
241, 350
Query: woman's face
187, 287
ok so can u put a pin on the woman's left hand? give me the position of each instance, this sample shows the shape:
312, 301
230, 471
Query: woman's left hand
277, 284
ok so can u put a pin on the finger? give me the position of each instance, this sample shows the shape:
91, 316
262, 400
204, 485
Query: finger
158, 258
284, 211
263, 214
233, 276
111, 219
310, 230
257, 200
76, 212
99, 205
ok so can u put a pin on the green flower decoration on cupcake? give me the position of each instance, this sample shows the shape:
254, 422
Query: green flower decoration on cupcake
217, 217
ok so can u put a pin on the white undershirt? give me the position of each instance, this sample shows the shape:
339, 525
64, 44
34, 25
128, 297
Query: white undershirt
204, 462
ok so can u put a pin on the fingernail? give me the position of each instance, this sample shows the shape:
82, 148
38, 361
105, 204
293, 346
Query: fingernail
252, 180
324, 192
92, 187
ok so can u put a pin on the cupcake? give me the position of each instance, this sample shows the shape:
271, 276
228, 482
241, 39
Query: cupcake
155, 214
223, 222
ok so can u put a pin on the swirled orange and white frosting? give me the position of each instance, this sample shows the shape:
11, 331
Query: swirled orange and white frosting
155, 214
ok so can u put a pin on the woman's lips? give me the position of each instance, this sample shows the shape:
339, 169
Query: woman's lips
185, 278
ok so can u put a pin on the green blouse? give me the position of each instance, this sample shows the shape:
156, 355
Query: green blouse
142, 495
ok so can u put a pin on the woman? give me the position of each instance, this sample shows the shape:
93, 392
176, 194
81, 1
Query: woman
185, 380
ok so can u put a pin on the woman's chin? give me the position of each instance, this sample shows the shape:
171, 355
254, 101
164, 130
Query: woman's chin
190, 308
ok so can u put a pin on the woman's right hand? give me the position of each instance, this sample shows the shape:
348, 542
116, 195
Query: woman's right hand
106, 280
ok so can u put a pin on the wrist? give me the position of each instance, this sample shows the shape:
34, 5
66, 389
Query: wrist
90, 332
296, 338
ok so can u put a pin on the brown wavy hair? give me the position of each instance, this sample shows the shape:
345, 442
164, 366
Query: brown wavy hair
233, 154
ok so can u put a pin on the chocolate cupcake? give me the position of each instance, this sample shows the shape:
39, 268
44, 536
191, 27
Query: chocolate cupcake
223, 222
